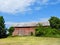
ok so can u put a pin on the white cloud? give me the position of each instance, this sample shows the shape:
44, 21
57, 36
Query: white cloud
42, 2
48, 2
38, 8
9, 23
44, 19
45, 3
56, 2
39, 20
15, 6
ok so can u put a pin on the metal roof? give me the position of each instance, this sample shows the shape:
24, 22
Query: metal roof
27, 24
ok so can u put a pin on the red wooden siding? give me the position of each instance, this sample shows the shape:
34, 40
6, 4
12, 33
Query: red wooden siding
23, 31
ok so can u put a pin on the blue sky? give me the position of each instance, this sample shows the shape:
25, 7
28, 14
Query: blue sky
16, 11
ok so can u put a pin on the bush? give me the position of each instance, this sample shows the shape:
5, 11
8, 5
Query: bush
47, 32
11, 29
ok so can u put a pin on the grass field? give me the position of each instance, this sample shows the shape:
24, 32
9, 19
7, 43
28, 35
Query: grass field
30, 41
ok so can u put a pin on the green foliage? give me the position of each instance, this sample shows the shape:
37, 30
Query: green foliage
54, 22
11, 29
2, 27
47, 31
52, 31
39, 31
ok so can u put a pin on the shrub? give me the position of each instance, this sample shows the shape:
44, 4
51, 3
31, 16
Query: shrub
47, 31
11, 29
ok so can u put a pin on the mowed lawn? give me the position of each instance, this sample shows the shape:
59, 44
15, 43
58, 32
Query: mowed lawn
30, 41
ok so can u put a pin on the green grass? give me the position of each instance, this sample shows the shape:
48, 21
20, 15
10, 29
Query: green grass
30, 41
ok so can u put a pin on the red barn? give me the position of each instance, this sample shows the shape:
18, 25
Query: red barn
22, 29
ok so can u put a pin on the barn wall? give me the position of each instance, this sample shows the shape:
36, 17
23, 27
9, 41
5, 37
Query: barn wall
23, 31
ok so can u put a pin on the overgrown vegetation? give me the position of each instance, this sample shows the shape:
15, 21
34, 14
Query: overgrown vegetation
51, 31
47, 32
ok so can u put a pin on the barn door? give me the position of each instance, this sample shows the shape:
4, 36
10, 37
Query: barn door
21, 32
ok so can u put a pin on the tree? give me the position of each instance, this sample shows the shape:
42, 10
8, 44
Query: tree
39, 30
0, 31
2, 27
11, 29
54, 22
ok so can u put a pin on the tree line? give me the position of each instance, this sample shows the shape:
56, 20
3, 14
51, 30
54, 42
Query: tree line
51, 31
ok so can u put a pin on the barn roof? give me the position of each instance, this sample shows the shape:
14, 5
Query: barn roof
28, 24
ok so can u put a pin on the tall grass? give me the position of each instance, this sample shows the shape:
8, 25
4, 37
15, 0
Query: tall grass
30, 41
